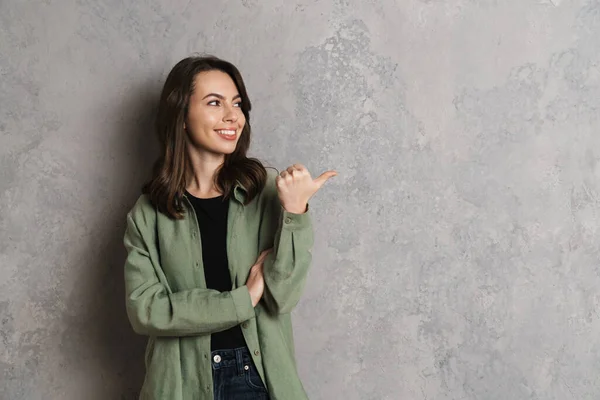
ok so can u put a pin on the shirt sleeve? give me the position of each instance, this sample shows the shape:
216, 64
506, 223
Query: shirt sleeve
154, 310
286, 268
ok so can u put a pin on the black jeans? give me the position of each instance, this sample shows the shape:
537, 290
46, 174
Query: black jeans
235, 376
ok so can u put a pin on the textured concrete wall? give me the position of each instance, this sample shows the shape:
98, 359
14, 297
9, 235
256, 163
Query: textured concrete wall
457, 252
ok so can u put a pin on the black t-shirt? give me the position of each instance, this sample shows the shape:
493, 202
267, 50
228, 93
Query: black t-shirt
212, 219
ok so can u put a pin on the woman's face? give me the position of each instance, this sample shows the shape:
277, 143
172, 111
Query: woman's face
215, 119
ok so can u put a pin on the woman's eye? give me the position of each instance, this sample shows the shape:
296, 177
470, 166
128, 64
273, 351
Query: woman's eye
238, 104
213, 103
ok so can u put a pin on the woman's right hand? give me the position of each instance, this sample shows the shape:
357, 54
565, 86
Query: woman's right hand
256, 282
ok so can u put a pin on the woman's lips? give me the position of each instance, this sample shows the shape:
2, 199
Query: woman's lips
227, 134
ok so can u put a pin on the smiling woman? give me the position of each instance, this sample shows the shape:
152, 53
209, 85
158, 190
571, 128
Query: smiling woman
202, 101
218, 248
215, 107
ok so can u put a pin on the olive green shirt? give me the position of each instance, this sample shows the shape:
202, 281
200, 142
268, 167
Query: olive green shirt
167, 298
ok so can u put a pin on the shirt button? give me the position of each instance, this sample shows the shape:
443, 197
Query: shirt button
256, 352
217, 358
197, 264
244, 325
194, 233
288, 220
205, 357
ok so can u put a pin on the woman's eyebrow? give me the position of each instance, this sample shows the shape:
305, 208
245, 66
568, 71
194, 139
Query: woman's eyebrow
220, 96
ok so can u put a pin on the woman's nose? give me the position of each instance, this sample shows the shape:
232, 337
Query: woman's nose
230, 115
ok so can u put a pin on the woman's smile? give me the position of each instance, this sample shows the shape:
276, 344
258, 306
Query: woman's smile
227, 134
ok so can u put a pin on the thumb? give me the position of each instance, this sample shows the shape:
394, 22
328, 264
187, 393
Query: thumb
321, 179
263, 255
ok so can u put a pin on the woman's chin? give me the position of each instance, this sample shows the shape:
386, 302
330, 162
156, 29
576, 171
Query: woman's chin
225, 151
217, 148
228, 149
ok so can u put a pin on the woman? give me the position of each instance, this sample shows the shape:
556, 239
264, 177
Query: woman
218, 248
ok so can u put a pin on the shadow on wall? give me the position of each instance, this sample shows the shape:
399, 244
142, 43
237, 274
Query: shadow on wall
135, 150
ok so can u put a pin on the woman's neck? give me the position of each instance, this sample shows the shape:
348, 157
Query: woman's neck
201, 172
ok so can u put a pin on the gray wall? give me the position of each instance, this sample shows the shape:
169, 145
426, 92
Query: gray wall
457, 253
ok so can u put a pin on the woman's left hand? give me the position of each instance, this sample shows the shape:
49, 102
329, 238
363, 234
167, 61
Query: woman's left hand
295, 187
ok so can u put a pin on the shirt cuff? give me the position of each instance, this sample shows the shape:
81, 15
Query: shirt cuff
295, 221
243, 303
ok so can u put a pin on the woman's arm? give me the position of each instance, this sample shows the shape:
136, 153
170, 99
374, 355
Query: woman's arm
156, 311
286, 268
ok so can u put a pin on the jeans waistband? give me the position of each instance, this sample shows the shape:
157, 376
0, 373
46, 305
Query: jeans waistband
231, 358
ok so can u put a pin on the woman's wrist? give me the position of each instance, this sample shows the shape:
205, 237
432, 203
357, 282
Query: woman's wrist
297, 209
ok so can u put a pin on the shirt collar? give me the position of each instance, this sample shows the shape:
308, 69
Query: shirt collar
240, 193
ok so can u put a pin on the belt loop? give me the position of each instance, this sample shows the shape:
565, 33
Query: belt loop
239, 361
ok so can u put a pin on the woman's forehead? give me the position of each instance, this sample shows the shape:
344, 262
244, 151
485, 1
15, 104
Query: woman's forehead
215, 82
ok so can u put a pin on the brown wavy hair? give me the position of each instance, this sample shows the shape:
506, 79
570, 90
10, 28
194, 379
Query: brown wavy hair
167, 185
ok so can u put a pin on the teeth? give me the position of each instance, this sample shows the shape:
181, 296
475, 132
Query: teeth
226, 132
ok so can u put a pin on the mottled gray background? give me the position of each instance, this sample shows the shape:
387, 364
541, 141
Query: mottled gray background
457, 253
